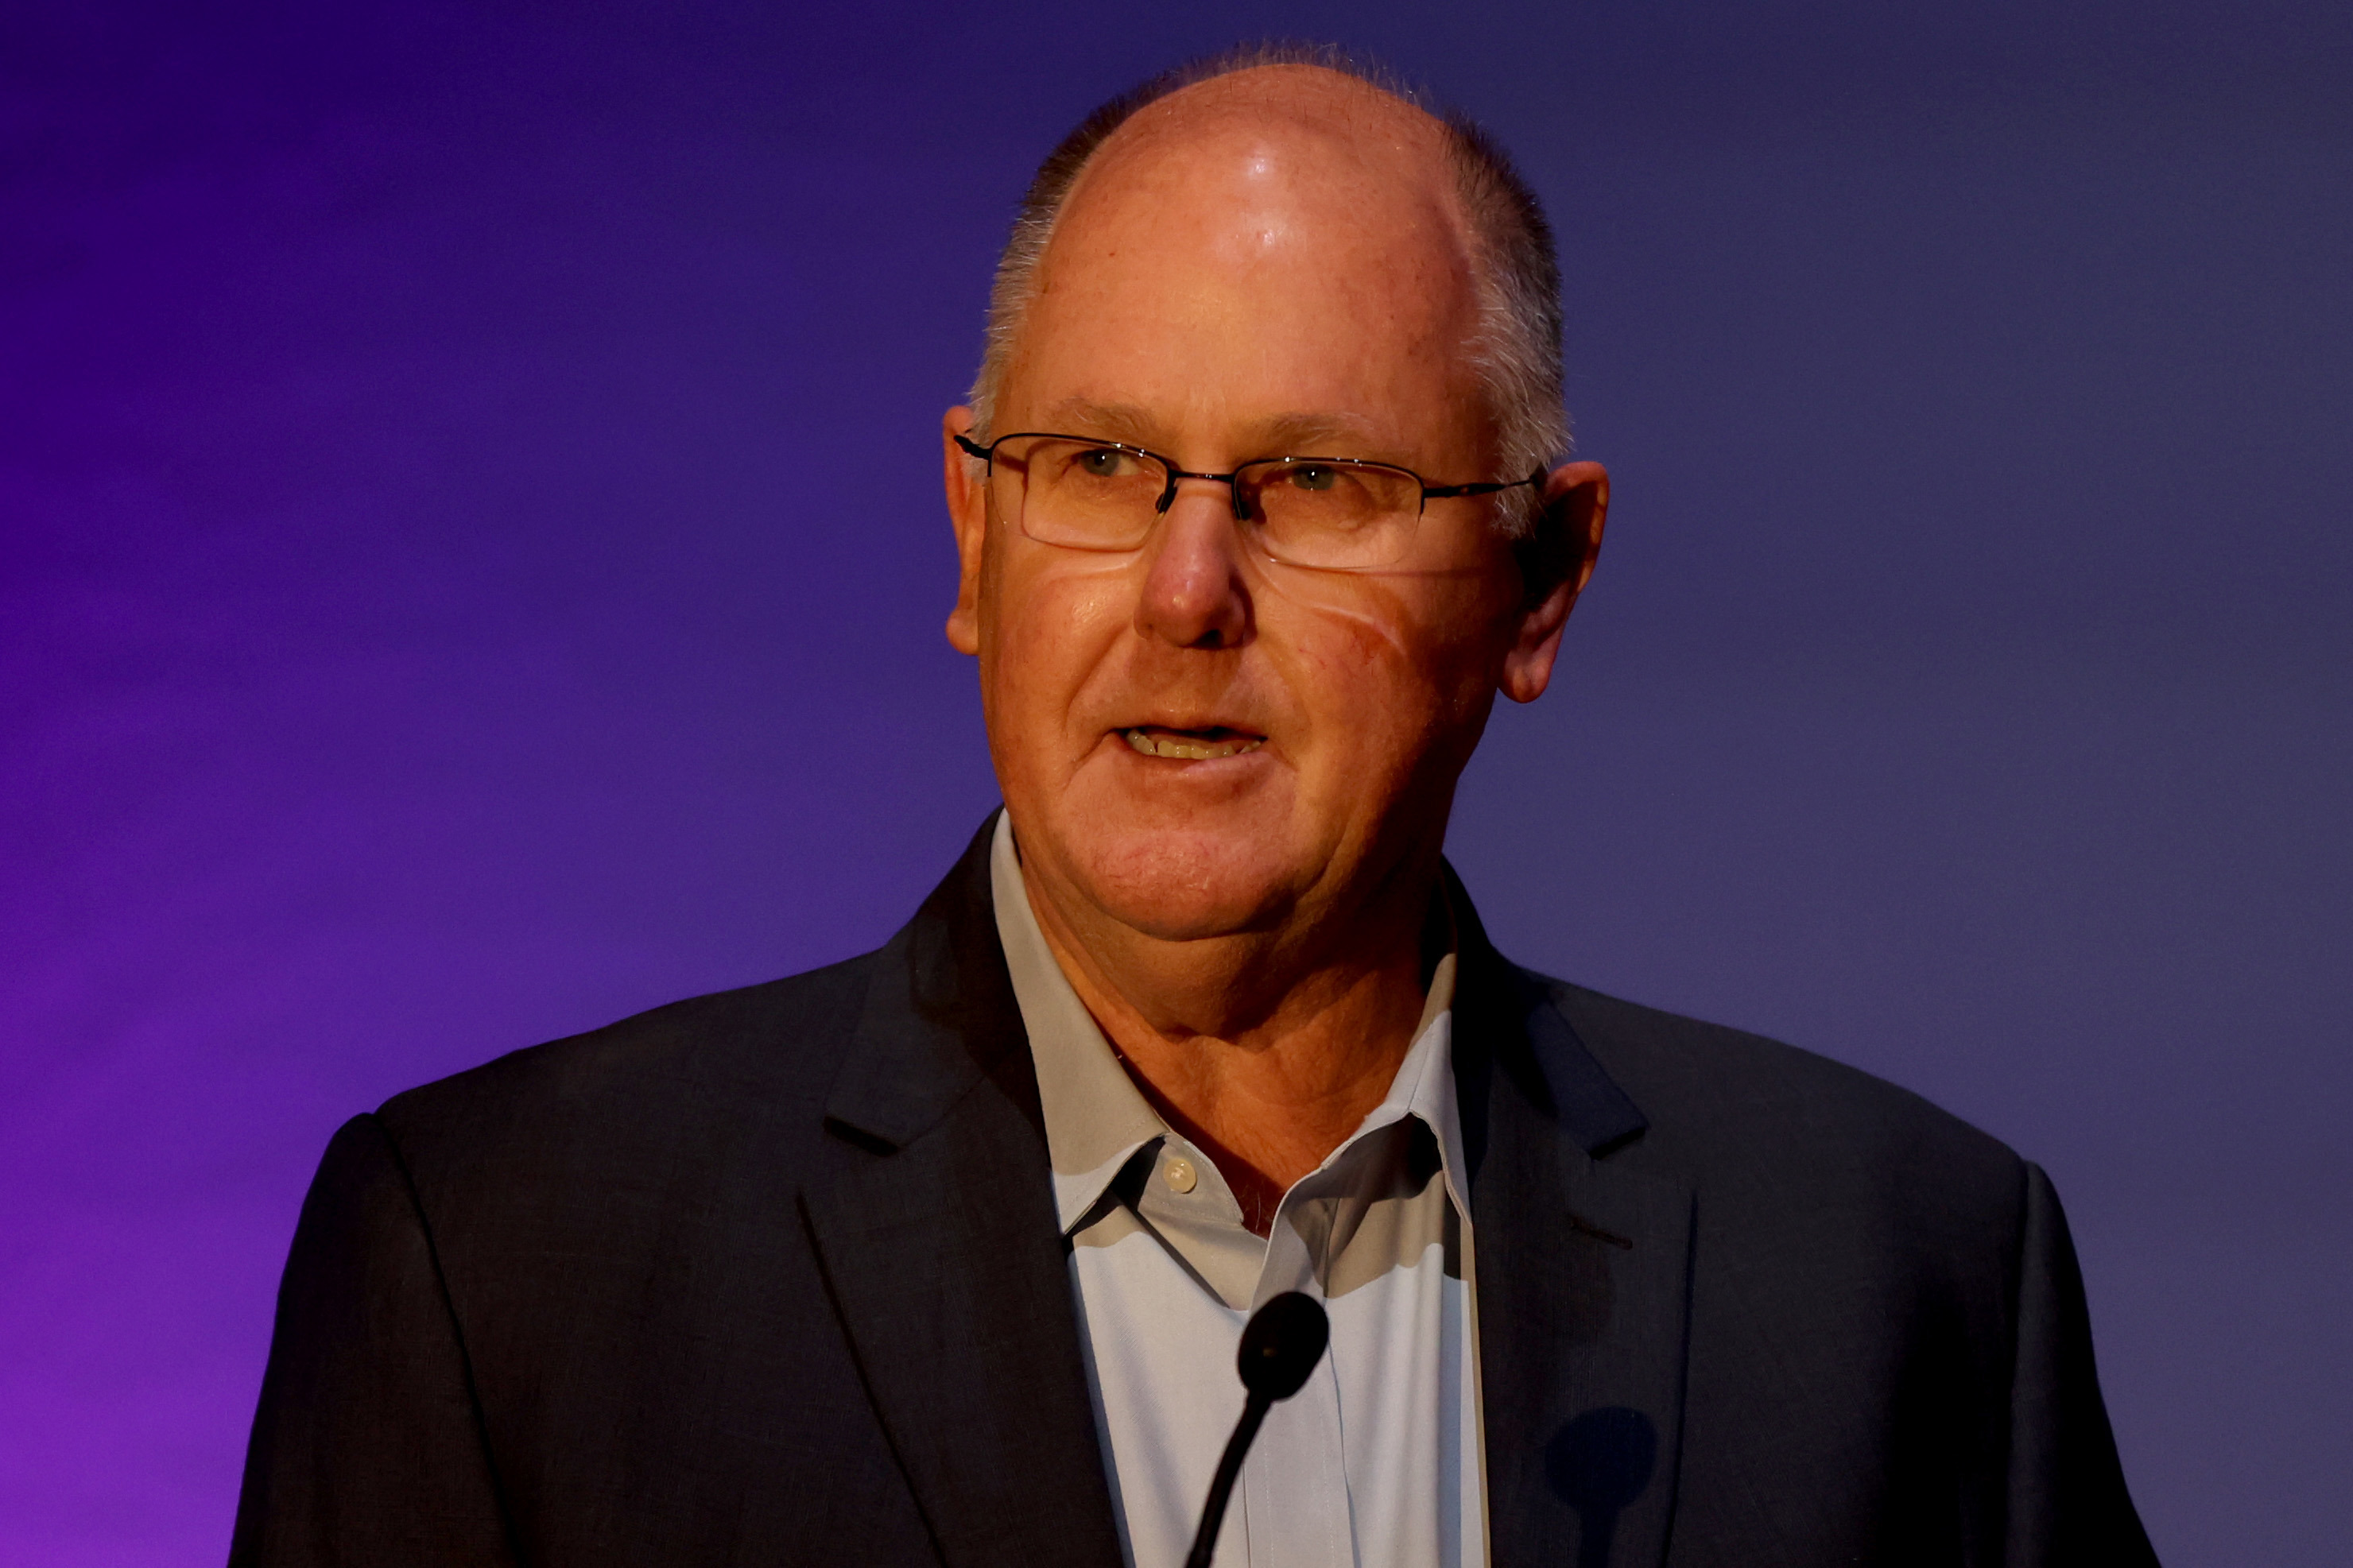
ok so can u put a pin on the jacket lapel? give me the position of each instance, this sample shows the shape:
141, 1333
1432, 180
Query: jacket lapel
939, 1242
1584, 1271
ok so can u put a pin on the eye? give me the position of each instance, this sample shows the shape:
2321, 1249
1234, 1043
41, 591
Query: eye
1314, 477
1102, 463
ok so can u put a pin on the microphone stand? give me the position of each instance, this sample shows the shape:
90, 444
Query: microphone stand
1221, 1487
1280, 1345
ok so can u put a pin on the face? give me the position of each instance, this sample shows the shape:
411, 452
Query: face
1194, 740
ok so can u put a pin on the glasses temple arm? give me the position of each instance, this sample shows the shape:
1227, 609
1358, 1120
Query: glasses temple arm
1484, 488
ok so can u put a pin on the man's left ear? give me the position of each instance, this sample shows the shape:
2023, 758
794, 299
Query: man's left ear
1556, 562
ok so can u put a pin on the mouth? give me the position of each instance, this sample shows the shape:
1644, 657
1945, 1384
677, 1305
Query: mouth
1191, 745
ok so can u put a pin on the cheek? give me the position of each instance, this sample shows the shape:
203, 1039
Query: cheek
1395, 665
1046, 623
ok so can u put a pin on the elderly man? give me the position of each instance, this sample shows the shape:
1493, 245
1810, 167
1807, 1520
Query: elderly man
941, 1255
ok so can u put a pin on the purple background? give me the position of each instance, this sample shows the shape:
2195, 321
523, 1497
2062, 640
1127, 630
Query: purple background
473, 568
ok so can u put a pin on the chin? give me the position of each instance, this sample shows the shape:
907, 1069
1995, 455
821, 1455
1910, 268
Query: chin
1189, 884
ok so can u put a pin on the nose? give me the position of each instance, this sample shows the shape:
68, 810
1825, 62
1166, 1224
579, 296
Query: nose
1194, 593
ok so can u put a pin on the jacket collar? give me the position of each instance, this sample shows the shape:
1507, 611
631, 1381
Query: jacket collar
1512, 1040
940, 1017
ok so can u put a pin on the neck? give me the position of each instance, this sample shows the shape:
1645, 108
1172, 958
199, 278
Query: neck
1267, 1050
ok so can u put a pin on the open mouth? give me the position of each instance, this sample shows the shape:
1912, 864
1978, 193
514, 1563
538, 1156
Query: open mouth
1191, 745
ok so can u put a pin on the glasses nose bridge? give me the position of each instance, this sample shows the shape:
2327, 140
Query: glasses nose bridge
1231, 481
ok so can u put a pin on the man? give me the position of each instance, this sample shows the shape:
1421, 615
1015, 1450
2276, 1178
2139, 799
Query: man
941, 1255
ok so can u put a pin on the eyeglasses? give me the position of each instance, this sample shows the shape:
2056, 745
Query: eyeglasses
1336, 514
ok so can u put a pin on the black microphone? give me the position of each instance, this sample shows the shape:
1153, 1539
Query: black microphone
1280, 1345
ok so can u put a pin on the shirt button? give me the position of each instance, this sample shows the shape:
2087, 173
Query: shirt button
1179, 1174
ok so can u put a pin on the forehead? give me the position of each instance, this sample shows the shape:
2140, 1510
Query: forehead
1287, 222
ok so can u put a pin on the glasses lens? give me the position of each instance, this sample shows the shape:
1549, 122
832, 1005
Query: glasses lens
1082, 495
1333, 514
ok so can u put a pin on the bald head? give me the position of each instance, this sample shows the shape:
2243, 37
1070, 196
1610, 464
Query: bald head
1286, 149
1245, 240
1294, 181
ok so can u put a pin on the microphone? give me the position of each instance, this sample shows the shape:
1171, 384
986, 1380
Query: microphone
1280, 1345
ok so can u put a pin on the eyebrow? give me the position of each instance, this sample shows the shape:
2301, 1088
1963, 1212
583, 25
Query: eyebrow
1282, 436
1112, 421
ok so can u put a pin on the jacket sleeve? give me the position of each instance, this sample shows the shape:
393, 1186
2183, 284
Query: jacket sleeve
2067, 1503
368, 1447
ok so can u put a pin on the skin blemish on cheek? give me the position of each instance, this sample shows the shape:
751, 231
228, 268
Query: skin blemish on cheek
1371, 637
1376, 613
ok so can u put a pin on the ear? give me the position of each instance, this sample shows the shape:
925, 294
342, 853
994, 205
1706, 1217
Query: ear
968, 515
1556, 563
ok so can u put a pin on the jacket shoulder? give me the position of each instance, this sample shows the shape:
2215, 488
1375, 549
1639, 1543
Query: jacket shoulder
1786, 1134
659, 1084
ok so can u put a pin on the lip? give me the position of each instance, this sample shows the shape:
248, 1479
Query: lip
1199, 742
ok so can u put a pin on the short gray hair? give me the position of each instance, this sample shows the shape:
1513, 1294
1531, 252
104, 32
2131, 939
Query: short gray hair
1515, 348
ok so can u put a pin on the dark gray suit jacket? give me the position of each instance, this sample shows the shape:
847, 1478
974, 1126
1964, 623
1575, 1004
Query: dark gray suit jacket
773, 1277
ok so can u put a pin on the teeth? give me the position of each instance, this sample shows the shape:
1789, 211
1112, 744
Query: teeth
1187, 750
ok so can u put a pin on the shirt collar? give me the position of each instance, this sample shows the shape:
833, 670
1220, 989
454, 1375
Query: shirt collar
1096, 1119
1424, 1085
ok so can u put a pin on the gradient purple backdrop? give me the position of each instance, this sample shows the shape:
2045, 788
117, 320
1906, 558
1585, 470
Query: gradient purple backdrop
473, 569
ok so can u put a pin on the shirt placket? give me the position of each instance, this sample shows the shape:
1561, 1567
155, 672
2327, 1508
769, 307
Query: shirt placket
1295, 1489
